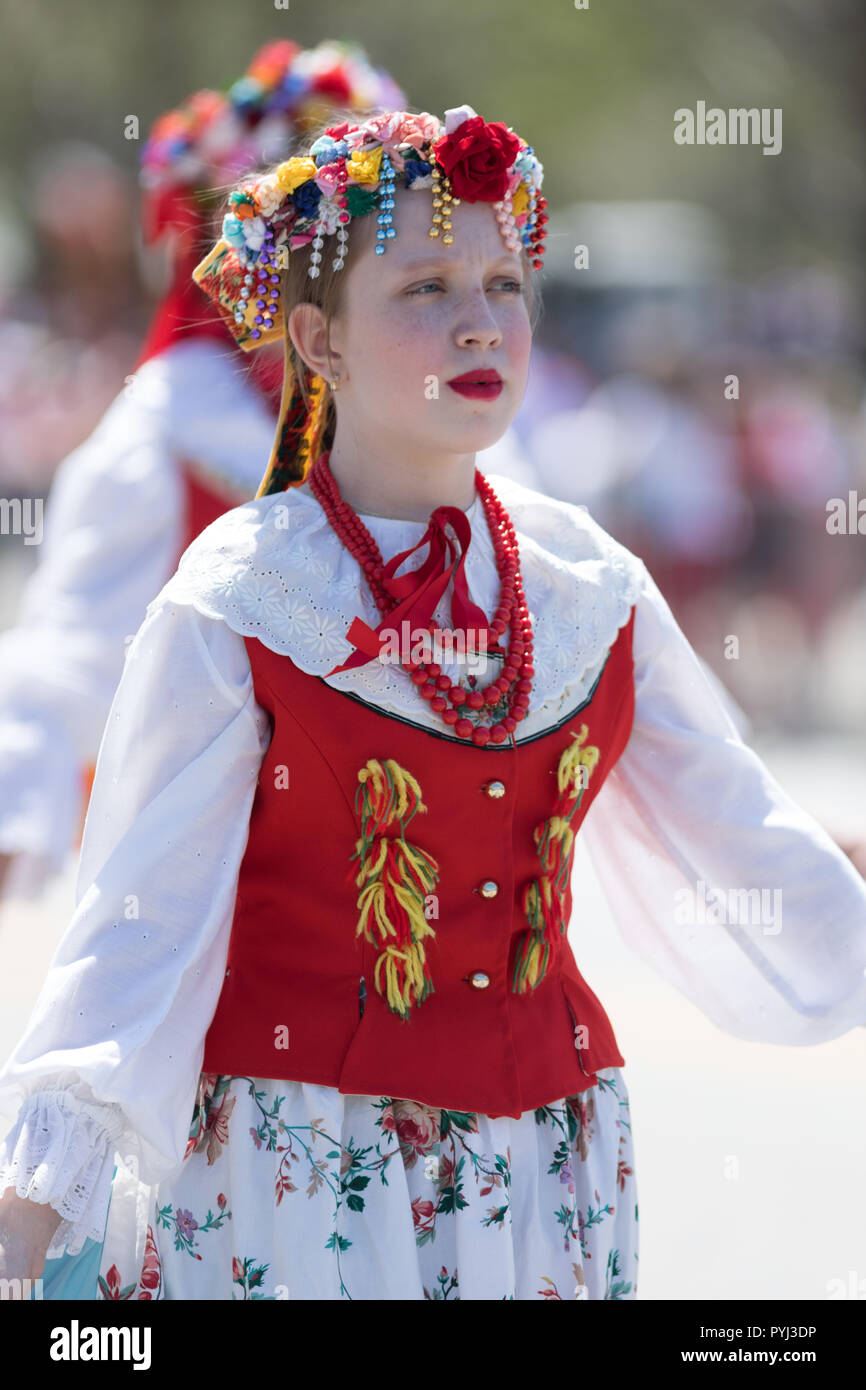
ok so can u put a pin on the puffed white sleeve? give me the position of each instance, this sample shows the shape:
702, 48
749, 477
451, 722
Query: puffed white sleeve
111, 1056
111, 539
714, 875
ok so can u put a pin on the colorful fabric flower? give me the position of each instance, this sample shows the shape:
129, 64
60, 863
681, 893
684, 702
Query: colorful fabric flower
396, 129
384, 128
530, 168
245, 93
294, 172
515, 179
360, 201
243, 201
273, 60
335, 85
420, 130
355, 139
254, 233
233, 231
364, 165
415, 169
326, 178
301, 238
477, 157
520, 201
326, 151
306, 199
269, 196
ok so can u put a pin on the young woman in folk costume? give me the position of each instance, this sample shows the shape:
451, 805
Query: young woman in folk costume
182, 443
318, 984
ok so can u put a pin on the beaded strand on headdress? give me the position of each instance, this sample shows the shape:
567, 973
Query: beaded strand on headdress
443, 202
266, 274
385, 230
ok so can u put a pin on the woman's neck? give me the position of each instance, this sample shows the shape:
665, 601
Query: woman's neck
383, 483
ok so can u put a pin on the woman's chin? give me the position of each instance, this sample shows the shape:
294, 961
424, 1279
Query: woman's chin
478, 432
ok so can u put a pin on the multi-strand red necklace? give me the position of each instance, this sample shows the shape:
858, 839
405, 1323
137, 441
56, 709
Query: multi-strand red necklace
506, 699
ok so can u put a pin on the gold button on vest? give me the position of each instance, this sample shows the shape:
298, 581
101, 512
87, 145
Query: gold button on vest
479, 980
495, 789
489, 889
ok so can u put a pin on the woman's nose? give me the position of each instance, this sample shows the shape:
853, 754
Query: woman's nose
479, 329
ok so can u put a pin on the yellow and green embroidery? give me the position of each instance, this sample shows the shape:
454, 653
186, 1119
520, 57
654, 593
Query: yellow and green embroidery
395, 878
544, 897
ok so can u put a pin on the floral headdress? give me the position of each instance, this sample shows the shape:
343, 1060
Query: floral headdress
351, 171
214, 138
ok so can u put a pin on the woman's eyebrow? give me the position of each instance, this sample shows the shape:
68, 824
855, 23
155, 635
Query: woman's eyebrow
418, 262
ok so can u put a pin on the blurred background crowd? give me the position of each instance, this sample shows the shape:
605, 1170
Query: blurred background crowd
699, 383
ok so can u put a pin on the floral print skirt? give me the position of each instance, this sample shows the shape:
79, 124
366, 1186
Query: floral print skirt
291, 1190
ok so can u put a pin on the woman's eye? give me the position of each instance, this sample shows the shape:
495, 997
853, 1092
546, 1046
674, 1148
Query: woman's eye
505, 283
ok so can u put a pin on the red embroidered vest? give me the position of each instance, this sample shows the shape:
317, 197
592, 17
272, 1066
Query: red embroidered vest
304, 996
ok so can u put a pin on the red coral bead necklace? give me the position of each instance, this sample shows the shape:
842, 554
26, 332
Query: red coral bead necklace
506, 698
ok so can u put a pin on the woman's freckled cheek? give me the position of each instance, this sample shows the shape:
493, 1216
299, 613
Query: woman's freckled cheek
402, 348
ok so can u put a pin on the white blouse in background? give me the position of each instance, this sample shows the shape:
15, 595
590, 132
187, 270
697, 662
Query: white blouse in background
113, 531
111, 1057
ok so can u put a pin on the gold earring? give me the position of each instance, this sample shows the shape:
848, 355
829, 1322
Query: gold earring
334, 383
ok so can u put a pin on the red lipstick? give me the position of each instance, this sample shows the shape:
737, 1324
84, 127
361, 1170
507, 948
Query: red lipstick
483, 383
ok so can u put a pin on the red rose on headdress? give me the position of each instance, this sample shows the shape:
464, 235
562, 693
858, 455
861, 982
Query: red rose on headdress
476, 157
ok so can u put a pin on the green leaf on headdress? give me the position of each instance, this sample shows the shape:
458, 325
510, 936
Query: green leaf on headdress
360, 200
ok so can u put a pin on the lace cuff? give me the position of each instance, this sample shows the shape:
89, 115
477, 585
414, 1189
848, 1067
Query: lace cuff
61, 1151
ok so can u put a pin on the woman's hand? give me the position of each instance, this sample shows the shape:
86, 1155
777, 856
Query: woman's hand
26, 1229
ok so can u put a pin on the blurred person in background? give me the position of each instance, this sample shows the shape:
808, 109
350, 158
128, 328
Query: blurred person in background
74, 325
631, 448
718, 495
797, 452
171, 453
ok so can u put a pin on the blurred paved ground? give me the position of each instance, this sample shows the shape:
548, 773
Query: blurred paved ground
795, 1217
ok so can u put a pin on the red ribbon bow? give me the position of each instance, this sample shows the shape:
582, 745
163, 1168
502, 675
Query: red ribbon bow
421, 590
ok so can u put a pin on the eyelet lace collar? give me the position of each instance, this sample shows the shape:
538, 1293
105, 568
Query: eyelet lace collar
274, 569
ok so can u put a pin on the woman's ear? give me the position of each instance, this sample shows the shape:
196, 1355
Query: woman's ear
308, 331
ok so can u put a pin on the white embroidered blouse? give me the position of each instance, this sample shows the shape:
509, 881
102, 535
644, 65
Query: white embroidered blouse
111, 1057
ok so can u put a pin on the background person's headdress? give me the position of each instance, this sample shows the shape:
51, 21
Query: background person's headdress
351, 171
214, 138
